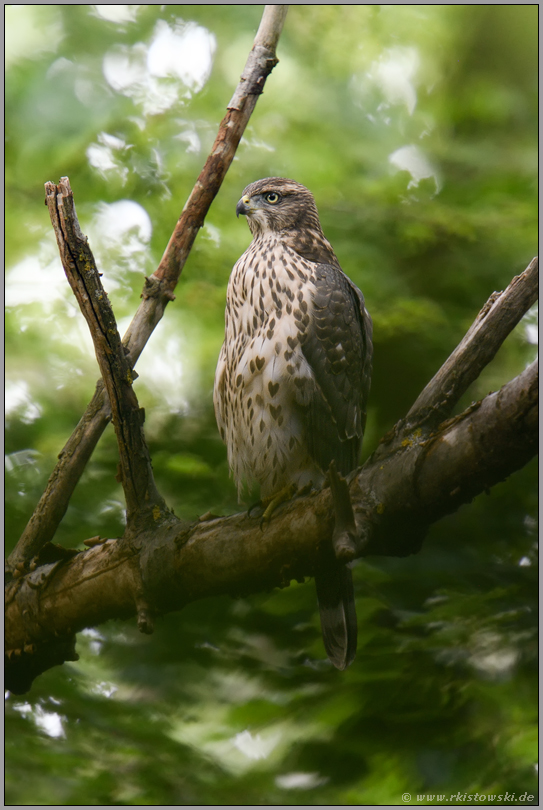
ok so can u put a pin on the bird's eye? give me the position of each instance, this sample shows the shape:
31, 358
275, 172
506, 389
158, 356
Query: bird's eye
272, 197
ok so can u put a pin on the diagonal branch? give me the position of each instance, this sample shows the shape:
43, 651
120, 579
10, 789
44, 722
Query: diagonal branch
499, 316
158, 289
143, 501
73, 459
399, 497
496, 320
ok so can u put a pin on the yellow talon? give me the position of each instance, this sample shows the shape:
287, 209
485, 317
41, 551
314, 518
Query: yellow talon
276, 500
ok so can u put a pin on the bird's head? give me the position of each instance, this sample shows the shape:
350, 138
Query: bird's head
278, 205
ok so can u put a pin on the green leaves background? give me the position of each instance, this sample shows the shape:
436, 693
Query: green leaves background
416, 129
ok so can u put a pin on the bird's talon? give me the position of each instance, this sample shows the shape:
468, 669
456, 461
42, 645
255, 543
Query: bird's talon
271, 504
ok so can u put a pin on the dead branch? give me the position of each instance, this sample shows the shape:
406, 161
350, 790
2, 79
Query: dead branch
495, 321
424, 469
157, 290
143, 502
73, 459
397, 498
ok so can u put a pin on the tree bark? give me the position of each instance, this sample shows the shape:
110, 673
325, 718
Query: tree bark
495, 321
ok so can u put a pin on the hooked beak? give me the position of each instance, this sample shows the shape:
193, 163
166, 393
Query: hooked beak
242, 206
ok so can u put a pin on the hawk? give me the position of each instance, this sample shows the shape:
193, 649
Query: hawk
293, 374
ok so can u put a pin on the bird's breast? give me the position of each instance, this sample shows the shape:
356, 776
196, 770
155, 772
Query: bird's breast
269, 280
268, 313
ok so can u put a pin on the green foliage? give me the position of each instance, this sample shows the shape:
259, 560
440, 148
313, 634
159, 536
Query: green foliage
416, 129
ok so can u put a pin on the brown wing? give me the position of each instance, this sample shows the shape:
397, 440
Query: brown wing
338, 347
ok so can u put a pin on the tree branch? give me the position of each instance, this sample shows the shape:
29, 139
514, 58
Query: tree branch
481, 447
499, 316
158, 289
73, 459
394, 503
397, 498
145, 507
495, 321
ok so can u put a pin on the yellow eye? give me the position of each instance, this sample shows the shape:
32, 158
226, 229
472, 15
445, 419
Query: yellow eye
272, 197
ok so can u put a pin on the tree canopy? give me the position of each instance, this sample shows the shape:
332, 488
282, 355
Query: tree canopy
416, 129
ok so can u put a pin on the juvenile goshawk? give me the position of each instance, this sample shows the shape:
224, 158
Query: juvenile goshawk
293, 375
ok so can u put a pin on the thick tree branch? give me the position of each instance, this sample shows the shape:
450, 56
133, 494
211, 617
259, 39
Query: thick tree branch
394, 503
158, 289
465, 449
397, 498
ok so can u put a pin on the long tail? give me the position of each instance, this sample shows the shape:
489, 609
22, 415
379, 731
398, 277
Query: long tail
335, 594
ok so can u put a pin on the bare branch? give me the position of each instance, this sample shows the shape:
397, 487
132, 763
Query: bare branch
142, 498
73, 459
495, 321
397, 500
158, 289
481, 447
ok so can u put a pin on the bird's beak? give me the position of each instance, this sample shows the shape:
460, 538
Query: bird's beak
243, 206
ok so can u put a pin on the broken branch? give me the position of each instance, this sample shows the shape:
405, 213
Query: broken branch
499, 316
142, 498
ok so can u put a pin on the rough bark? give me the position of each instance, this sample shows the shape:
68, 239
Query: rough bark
430, 476
495, 321
73, 459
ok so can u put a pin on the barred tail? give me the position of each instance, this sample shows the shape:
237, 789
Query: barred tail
335, 595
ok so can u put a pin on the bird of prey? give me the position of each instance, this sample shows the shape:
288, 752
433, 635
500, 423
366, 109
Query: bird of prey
293, 375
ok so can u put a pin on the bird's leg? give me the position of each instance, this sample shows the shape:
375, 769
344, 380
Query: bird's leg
344, 535
270, 504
